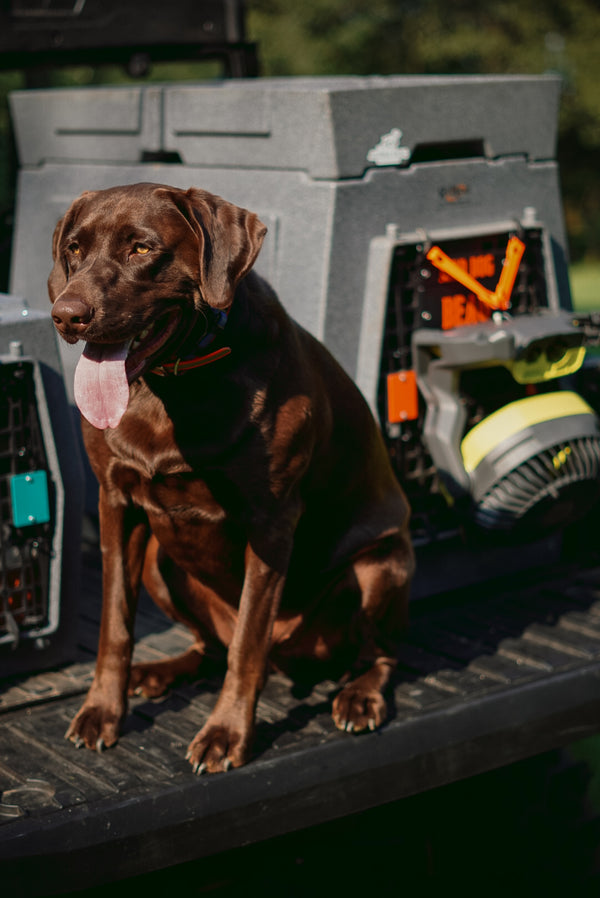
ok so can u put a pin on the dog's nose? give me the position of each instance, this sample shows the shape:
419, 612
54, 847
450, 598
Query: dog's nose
72, 315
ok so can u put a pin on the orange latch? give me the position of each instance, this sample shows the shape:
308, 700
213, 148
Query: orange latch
402, 396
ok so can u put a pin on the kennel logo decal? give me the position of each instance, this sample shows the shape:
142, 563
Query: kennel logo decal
389, 150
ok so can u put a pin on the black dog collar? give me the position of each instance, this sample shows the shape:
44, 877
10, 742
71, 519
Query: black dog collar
215, 323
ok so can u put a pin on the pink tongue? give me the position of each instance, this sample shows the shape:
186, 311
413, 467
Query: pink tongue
101, 385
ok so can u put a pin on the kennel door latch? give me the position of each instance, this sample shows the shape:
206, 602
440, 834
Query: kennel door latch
29, 495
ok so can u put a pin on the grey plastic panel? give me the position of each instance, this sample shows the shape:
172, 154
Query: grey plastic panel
413, 200
95, 124
331, 128
328, 127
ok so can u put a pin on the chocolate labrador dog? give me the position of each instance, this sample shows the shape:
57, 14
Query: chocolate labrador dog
242, 477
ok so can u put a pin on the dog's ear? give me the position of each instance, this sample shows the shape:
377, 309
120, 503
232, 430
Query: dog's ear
229, 239
57, 281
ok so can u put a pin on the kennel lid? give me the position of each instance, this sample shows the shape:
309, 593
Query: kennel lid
329, 127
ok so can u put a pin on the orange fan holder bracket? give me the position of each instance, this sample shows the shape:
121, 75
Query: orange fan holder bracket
499, 299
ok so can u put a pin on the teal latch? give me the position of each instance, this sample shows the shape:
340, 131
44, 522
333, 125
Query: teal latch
29, 494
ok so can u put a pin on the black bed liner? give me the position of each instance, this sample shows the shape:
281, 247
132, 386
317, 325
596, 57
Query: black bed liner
488, 676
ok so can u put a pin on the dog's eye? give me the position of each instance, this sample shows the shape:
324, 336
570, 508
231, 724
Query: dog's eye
140, 249
74, 249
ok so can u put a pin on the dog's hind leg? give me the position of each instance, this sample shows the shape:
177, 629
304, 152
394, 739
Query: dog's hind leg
383, 617
153, 678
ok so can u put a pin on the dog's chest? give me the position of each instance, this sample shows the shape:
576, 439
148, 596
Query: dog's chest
141, 461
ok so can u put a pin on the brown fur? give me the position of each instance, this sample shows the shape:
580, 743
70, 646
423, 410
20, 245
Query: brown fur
253, 496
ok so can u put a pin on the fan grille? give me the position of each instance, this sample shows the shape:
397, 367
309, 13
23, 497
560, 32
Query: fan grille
554, 487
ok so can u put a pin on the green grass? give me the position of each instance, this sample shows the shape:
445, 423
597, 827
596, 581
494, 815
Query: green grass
585, 285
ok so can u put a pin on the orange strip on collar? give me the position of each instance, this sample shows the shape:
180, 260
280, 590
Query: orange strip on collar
182, 366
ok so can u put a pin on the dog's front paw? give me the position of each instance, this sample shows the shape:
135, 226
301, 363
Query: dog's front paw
94, 727
217, 748
356, 709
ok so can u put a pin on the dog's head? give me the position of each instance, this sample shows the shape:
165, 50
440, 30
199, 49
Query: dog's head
133, 268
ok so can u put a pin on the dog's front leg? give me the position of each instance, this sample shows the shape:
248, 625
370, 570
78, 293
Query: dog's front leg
226, 738
124, 535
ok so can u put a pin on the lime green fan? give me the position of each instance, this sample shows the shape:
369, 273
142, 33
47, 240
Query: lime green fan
535, 463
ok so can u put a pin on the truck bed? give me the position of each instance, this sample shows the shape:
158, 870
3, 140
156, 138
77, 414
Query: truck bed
488, 675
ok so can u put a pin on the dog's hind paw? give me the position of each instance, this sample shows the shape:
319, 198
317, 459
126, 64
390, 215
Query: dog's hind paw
147, 681
154, 678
